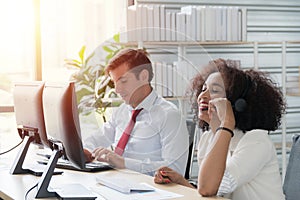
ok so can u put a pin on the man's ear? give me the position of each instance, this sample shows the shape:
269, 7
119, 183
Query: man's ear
144, 75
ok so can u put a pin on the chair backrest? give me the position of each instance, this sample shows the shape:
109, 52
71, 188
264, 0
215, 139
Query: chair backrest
191, 125
291, 186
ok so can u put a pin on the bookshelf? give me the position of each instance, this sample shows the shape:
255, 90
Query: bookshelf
272, 45
155, 22
255, 45
282, 136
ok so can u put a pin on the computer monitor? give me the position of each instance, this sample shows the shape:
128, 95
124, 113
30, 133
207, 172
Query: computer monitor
62, 120
63, 130
28, 107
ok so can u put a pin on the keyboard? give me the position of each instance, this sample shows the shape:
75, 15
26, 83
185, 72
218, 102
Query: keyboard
89, 167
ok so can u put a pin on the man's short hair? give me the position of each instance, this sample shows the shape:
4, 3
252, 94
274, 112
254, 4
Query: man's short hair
136, 60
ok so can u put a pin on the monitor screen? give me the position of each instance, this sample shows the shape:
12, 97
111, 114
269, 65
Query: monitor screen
28, 107
62, 119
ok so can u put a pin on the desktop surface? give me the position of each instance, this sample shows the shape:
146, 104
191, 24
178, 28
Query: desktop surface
16, 186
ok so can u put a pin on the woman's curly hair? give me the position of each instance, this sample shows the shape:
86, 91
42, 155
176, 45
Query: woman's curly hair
265, 103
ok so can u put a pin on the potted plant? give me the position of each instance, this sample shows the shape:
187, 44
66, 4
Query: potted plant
93, 87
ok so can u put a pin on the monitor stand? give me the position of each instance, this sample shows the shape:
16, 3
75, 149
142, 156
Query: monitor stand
29, 135
42, 187
69, 189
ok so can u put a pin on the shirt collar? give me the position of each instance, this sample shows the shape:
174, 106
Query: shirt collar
147, 103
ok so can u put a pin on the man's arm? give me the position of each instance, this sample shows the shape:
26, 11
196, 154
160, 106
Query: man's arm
174, 146
103, 137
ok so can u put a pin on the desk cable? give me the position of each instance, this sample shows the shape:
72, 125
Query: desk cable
1, 153
30, 190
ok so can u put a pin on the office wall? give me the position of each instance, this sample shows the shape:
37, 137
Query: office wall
267, 21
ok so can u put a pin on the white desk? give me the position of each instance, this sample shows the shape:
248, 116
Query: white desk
16, 186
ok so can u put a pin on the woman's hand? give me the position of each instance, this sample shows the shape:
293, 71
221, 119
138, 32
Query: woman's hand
220, 109
165, 175
104, 155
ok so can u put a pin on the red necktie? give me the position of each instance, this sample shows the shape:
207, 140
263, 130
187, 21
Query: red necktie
126, 134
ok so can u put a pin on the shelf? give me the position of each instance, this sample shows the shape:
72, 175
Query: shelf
176, 98
4, 109
293, 94
278, 145
117, 101
193, 43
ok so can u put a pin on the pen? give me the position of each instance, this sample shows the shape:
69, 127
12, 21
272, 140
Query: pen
112, 148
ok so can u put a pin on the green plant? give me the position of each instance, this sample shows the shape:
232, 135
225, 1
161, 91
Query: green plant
92, 85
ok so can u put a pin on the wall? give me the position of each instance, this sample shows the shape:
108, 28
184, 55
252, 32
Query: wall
267, 21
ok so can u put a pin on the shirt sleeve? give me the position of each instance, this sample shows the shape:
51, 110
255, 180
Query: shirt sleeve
252, 153
174, 147
228, 184
203, 143
103, 137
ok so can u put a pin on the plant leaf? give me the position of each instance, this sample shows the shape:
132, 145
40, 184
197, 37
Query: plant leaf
81, 54
107, 49
89, 57
116, 37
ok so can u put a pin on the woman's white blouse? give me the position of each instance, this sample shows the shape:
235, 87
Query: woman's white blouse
252, 170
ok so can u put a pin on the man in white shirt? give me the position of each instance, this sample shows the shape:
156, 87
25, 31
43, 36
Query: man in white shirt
159, 136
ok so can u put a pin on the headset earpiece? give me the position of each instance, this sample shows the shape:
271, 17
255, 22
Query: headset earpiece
240, 104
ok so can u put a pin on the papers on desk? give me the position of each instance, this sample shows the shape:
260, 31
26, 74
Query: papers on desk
74, 191
5, 196
121, 185
116, 188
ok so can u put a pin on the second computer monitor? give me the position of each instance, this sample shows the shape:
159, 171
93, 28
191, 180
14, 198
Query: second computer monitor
62, 120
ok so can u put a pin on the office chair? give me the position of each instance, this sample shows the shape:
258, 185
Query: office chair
191, 126
291, 186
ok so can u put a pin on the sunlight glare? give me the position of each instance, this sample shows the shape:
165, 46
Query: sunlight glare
17, 28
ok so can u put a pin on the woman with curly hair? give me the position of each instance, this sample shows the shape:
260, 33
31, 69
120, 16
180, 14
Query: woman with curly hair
236, 109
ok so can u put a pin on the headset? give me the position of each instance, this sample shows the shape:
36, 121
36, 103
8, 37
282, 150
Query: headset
240, 104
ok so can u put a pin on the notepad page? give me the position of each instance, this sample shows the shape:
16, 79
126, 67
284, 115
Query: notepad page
122, 185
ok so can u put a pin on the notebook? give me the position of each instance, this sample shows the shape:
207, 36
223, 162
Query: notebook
123, 185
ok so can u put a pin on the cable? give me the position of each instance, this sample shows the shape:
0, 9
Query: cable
11, 148
30, 190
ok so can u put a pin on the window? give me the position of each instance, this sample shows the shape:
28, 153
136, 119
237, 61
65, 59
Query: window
65, 26
36, 36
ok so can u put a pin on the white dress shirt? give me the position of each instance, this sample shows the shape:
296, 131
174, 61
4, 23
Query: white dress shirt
252, 170
159, 137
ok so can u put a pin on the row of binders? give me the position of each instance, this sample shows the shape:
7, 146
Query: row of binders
172, 79
189, 23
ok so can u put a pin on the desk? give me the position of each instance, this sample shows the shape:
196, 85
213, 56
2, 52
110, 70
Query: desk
16, 186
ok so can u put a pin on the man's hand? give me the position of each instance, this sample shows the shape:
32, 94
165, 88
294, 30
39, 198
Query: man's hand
88, 156
104, 155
